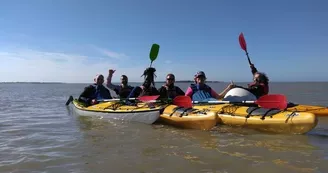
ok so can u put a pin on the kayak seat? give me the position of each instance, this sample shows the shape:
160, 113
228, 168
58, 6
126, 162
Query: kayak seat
258, 111
182, 111
290, 105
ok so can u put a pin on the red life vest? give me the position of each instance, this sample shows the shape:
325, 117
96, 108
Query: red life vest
265, 87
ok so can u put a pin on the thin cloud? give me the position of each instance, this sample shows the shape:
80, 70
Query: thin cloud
110, 53
30, 65
27, 65
168, 62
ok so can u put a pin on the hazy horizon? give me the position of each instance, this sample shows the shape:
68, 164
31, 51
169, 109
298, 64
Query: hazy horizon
164, 82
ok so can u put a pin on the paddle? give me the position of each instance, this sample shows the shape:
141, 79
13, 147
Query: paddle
243, 45
70, 99
141, 98
270, 101
144, 99
183, 101
153, 53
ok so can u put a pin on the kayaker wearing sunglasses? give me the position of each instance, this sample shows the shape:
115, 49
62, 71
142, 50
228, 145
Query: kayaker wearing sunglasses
168, 90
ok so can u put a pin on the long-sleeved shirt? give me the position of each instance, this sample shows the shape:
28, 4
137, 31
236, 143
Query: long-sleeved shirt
121, 91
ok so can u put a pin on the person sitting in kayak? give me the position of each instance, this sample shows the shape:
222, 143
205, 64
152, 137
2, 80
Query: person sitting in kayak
123, 90
168, 90
260, 86
148, 86
202, 92
95, 92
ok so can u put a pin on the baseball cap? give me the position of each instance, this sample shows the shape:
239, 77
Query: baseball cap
200, 73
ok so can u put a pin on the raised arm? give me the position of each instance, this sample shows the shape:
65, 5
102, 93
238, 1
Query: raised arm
254, 70
224, 92
109, 81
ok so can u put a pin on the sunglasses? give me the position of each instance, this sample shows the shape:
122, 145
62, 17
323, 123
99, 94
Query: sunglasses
170, 79
201, 77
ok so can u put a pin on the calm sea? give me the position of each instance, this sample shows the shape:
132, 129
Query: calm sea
39, 134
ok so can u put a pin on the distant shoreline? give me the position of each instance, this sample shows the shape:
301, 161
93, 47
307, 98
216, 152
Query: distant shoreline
190, 81
32, 83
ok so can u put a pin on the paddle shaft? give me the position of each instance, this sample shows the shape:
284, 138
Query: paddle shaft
229, 102
109, 100
249, 60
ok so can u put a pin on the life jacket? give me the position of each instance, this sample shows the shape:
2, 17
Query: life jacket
100, 92
124, 92
200, 93
171, 92
265, 87
146, 92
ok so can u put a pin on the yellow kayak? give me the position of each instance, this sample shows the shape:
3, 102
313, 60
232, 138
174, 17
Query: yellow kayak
142, 112
149, 113
188, 118
316, 110
262, 119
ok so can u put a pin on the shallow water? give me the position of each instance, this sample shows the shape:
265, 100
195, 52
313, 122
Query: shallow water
38, 133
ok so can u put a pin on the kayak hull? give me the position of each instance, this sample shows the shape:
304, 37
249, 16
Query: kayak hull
111, 110
319, 111
188, 118
267, 120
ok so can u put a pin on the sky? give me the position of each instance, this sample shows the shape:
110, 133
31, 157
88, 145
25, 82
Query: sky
73, 40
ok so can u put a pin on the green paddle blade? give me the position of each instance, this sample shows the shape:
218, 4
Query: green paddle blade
153, 52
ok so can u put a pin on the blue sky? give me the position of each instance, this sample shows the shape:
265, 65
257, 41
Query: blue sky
73, 40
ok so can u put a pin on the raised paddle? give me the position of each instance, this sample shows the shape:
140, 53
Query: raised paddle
243, 45
153, 53
270, 101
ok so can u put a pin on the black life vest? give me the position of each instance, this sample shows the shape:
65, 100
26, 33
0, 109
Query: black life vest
124, 92
100, 92
146, 91
171, 92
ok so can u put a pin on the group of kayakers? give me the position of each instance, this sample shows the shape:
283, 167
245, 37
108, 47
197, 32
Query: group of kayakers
197, 91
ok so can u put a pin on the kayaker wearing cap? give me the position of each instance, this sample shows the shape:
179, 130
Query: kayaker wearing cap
123, 90
94, 92
168, 90
148, 86
260, 86
202, 92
